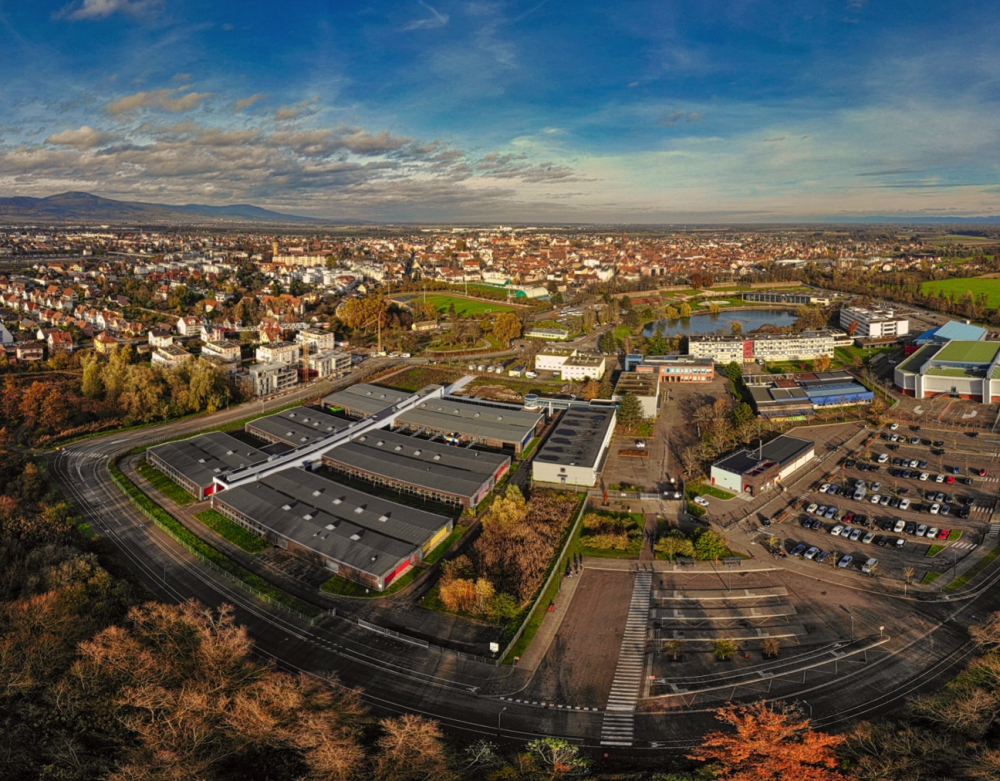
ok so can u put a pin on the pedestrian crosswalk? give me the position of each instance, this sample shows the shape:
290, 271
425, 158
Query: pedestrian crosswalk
963, 545
618, 727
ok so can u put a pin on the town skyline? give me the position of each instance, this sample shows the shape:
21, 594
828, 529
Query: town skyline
508, 112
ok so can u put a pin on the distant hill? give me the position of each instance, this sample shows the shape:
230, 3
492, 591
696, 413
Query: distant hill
77, 207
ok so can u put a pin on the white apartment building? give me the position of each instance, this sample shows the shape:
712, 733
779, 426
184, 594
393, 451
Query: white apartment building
278, 352
329, 362
553, 358
877, 323
270, 378
722, 349
317, 339
225, 350
805, 346
583, 367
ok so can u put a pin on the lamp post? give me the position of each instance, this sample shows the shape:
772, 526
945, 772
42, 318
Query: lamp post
498, 719
806, 702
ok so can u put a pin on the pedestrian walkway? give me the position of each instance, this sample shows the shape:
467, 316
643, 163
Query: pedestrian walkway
618, 728
963, 545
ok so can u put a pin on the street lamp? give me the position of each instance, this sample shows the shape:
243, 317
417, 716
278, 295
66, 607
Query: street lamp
498, 719
806, 702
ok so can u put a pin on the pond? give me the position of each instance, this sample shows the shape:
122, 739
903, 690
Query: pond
709, 323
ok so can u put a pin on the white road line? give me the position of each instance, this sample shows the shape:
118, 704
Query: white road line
618, 727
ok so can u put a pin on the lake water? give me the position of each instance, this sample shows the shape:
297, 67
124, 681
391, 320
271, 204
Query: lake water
708, 323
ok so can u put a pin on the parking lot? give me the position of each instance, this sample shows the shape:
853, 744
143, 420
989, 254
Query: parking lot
907, 498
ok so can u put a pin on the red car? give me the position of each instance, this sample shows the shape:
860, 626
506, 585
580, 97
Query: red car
849, 518
950, 479
943, 534
980, 472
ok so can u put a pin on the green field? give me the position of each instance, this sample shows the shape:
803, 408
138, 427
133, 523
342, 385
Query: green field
466, 306
990, 286
960, 238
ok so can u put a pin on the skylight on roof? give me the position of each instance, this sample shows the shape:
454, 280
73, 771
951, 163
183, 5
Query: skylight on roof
356, 536
286, 507
359, 509
330, 527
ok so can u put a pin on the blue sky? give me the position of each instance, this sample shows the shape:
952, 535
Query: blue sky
532, 111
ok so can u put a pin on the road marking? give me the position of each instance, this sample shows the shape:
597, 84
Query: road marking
618, 727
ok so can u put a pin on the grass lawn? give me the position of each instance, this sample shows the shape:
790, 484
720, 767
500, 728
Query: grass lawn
622, 331
934, 550
704, 489
518, 386
348, 588
930, 577
955, 534
164, 484
633, 524
988, 559
417, 377
960, 284
696, 510
233, 532
466, 306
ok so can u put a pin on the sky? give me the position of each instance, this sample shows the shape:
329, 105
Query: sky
537, 111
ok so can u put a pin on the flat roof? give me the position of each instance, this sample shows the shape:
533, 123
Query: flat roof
365, 532
578, 437
475, 420
585, 360
298, 426
644, 384
460, 471
365, 398
968, 352
915, 361
201, 458
785, 448
955, 329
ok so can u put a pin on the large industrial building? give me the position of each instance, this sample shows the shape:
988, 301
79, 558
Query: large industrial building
875, 323
758, 470
194, 463
295, 427
573, 455
431, 470
807, 394
502, 428
967, 370
363, 400
367, 539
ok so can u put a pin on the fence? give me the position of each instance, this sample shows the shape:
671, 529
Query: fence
211, 564
393, 634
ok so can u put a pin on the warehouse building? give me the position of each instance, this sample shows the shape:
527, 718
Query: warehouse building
430, 470
967, 370
756, 471
194, 463
795, 399
466, 422
296, 426
574, 452
363, 400
369, 540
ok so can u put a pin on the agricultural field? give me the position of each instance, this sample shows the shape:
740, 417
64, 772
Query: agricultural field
960, 238
988, 285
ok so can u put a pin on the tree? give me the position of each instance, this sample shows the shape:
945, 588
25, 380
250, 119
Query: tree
411, 749
724, 649
90, 385
771, 647
633, 319
709, 546
674, 649
558, 758
733, 371
743, 414
608, 344
629, 411
507, 327
656, 344
736, 328
685, 310
822, 363
674, 544
592, 390
672, 313
606, 389
770, 742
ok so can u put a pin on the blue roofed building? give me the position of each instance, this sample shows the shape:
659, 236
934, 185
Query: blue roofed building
953, 330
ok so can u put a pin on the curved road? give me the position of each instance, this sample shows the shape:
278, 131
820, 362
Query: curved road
396, 677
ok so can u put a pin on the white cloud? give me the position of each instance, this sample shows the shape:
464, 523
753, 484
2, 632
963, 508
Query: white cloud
436, 19
101, 9
249, 101
83, 138
167, 99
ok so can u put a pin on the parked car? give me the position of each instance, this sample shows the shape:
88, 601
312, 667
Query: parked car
910, 528
945, 509
824, 488
821, 510
812, 507
943, 534
900, 542
904, 504
899, 526
922, 530
950, 479
883, 457
935, 508
913, 463
876, 486
893, 426
849, 463
969, 501
869, 566
817, 524
811, 553
836, 530
845, 562
856, 535
980, 472
939, 443
830, 512
922, 465
955, 470
938, 478
924, 476
701, 500
932, 533
876, 498
822, 556
798, 550
868, 538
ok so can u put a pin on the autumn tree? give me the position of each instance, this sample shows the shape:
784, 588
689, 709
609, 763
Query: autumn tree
507, 327
768, 742
411, 748
736, 328
592, 390
822, 363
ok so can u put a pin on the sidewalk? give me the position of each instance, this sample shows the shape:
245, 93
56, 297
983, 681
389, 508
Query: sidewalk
539, 646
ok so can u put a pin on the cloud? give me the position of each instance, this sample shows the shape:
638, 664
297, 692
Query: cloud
101, 9
167, 99
297, 110
81, 139
248, 102
775, 139
436, 19
676, 117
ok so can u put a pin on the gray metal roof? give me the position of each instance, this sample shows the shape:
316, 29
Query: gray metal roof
472, 420
577, 438
286, 504
365, 398
459, 471
298, 426
201, 458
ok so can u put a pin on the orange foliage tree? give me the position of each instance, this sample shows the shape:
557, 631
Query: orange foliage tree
770, 742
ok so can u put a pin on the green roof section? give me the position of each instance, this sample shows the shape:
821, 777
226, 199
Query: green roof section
915, 361
968, 352
942, 371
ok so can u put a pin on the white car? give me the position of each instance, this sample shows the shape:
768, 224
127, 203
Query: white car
868, 538
893, 426
811, 508
904, 504
939, 479
932, 532
913, 463
845, 562
701, 500
876, 487
875, 499
899, 526
824, 488
935, 508
883, 458
836, 530
921, 530
923, 477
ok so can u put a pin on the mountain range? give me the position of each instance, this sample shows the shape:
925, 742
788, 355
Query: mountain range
84, 207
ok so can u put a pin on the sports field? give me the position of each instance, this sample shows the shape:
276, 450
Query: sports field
990, 286
465, 306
